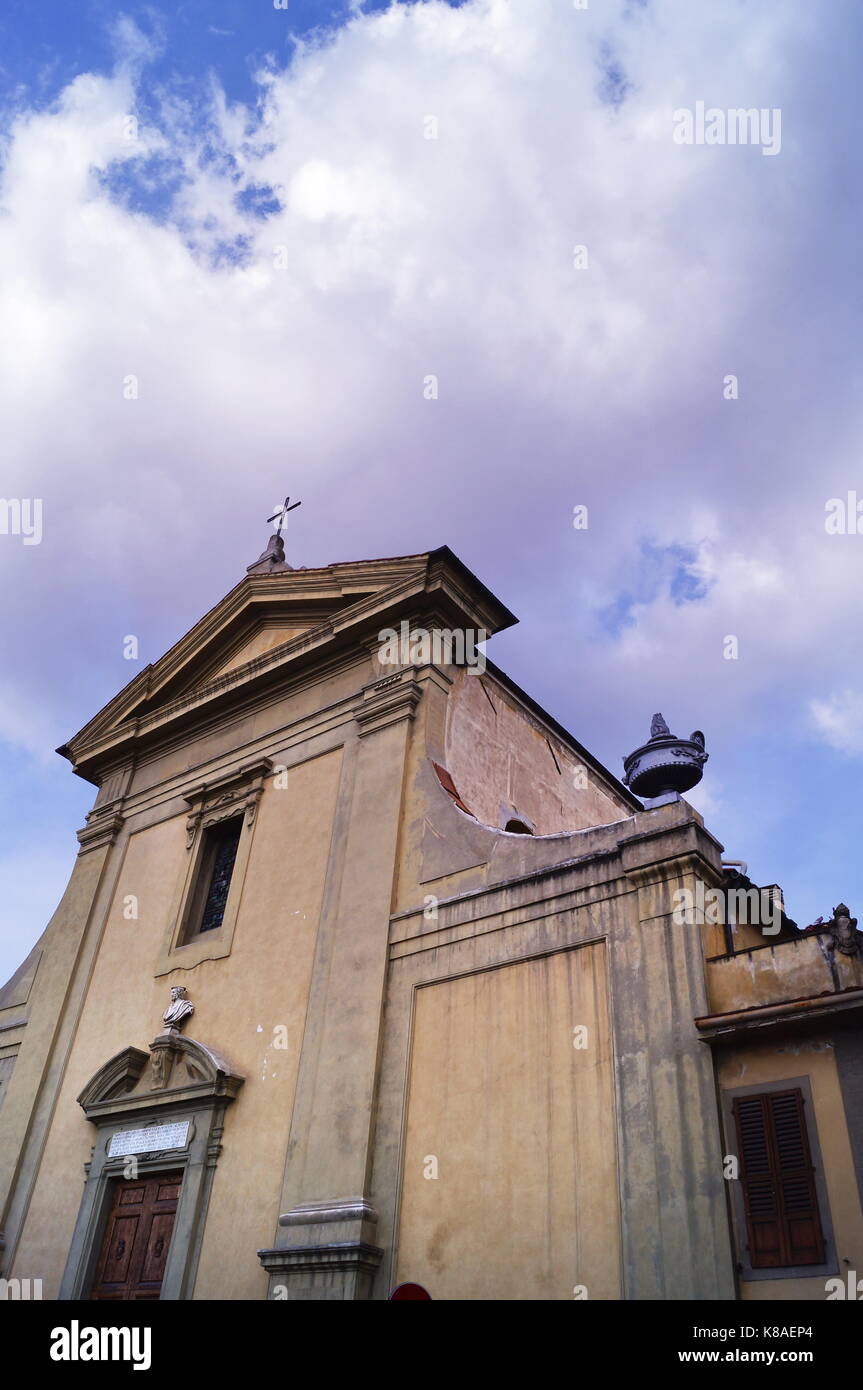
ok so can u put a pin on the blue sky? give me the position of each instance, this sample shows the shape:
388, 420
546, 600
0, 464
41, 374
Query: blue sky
45, 46
280, 256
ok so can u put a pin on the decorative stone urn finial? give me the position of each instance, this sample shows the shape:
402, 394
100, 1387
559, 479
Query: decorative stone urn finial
178, 1010
666, 765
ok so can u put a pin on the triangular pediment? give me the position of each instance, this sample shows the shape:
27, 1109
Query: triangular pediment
269, 622
261, 641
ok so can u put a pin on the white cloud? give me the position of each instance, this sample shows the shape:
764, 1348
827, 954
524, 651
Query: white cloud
839, 721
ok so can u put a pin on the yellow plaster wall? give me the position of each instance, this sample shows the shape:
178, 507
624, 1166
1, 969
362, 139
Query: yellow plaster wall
794, 969
780, 1061
497, 754
521, 1124
239, 1001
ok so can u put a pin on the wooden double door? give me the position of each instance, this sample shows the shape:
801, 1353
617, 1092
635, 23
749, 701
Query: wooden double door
137, 1238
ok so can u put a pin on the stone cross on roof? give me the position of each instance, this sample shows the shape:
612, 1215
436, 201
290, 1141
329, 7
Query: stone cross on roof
281, 512
273, 558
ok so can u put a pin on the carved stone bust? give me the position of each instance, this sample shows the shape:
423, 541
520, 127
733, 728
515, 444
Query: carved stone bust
179, 1008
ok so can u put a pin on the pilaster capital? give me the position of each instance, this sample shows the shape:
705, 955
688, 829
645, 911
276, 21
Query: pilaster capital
387, 701
100, 831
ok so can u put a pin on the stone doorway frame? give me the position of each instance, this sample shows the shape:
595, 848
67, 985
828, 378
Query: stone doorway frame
178, 1080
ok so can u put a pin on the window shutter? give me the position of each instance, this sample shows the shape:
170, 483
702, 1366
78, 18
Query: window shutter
782, 1221
796, 1179
763, 1221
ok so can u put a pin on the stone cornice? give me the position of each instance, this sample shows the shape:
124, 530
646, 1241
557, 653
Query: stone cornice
672, 867
813, 1011
346, 1255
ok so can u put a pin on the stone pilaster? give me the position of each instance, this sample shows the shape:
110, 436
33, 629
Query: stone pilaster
325, 1242
676, 1242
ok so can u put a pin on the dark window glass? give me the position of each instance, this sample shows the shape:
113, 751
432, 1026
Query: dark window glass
221, 853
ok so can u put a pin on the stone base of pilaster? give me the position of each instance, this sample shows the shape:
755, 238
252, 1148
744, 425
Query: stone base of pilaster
328, 1252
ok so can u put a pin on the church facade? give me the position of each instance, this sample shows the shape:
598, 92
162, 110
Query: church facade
369, 973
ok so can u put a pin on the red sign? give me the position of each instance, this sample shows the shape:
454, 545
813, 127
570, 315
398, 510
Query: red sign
410, 1291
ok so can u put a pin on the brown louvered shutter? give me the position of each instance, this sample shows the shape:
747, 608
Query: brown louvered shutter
782, 1221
